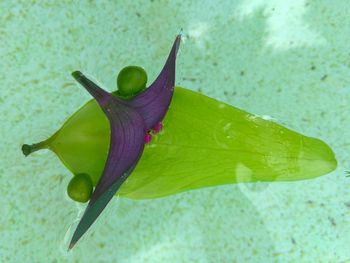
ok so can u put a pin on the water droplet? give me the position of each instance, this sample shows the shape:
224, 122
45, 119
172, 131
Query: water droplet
227, 126
267, 117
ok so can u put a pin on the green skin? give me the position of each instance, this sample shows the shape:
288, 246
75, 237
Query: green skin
203, 143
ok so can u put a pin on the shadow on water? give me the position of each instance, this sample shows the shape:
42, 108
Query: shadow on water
210, 225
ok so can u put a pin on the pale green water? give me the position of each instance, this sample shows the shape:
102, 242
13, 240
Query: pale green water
286, 59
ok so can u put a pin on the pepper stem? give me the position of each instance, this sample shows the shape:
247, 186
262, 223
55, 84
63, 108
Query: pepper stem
28, 149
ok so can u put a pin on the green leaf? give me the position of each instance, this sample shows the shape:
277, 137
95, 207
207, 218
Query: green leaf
204, 143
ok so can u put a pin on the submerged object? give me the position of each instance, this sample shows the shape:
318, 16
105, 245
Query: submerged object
204, 143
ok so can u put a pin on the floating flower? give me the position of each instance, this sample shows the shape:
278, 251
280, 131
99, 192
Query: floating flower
203, 143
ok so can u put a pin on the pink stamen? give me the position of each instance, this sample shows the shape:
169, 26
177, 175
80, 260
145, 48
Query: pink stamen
147, 138
157, 128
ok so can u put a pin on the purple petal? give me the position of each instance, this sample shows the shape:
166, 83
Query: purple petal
129, 121
153, 103
126, 147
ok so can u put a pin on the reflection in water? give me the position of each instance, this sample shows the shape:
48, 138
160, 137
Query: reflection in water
64, 243
285, 22
197, 31
195, 232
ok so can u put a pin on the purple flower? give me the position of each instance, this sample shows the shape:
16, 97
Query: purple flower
130, 121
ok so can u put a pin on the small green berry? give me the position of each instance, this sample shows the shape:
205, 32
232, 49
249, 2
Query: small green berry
131, 80
80, 188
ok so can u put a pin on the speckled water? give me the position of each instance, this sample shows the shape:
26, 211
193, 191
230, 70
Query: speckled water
288, 59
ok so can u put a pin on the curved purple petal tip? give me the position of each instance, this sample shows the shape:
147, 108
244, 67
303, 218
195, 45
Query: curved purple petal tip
154, 102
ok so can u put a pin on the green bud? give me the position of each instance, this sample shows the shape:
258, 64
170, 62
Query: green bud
80, 188
131, 80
